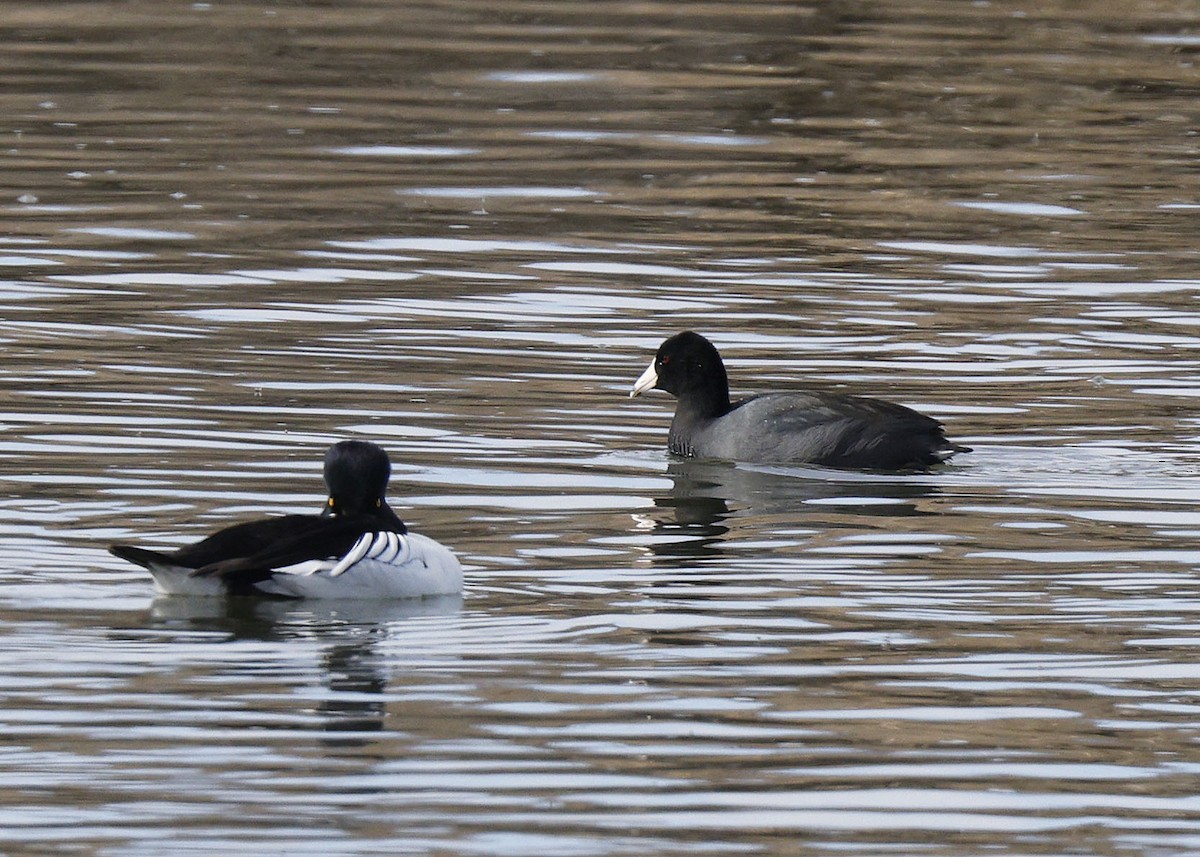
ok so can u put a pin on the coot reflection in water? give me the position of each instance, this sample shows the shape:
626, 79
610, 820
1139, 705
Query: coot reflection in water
706, 495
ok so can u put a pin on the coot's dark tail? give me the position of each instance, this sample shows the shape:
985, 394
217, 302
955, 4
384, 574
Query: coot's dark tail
947, 450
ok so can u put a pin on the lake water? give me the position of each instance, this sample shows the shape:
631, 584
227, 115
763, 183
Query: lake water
236, 232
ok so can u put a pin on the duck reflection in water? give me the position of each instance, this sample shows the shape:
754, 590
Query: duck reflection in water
707, 496
348, 660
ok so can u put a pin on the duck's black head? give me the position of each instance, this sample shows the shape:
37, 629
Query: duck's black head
688, 367
356, 474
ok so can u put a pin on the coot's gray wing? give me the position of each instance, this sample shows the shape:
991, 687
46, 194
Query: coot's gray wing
826, 429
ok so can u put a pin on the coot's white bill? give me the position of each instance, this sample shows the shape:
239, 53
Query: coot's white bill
647, 381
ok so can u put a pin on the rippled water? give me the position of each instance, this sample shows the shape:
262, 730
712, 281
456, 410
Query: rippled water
236, 232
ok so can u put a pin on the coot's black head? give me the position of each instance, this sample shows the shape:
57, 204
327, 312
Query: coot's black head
356, 473
688, 367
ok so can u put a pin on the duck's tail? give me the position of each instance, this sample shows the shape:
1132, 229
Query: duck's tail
169, 577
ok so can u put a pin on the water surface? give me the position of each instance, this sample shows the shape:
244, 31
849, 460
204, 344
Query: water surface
237, 232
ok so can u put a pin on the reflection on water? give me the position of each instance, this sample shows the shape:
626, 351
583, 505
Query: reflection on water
705, 495
238, 232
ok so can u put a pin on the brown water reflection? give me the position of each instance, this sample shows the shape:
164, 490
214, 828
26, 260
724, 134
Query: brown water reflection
238, 231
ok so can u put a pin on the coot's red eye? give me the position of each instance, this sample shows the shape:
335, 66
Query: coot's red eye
664, 360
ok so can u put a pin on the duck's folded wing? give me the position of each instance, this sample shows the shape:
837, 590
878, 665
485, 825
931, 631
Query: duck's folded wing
322, 538
245, 539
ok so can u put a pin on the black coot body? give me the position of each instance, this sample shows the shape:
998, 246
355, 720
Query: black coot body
827, 429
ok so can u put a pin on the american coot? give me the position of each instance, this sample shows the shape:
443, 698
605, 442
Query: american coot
827, 429
357, 548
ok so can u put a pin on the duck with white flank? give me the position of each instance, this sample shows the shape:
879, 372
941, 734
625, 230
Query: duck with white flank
827, 429
357, 548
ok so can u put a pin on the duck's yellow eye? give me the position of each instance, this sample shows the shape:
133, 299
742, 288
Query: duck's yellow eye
378, 503
330, 502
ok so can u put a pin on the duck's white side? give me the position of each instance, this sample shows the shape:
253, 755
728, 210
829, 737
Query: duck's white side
380, 565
